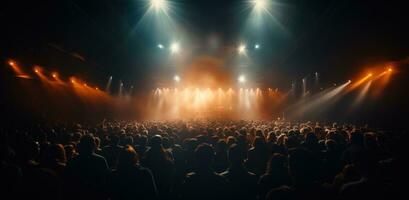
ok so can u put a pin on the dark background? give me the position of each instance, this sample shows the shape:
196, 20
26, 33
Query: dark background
94, 39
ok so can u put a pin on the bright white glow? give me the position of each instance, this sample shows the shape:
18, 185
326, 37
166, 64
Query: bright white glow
259, 4
160, 46
242, 79
176, 78
242, 49
174, 47
257, 46
158, 4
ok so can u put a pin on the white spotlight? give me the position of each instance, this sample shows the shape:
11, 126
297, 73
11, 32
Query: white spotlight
160, 46
257, 46
158, 4
242, 49
260, 4
176, 78
242, 79
174, 47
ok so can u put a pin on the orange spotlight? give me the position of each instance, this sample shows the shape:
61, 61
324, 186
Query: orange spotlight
96, 88
390, 69
36, 70
17, 69
54, 75
370, 74
72, 80
85, 85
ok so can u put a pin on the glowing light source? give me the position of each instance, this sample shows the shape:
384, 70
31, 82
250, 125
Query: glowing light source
176, 78
259, 4
242, 49
390, 69
160, 46
174, 47
158, 4
257, 46
54, 75
11, 63
36, 70
242, 79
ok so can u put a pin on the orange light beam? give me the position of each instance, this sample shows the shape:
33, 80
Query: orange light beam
358, 83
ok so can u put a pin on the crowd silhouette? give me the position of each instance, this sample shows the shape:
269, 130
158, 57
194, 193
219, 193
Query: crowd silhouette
202, 159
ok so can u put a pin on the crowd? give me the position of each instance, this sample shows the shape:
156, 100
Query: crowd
201, 160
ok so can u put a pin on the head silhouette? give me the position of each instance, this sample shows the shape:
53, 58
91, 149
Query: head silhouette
86, 145
127, 157
204, 155
236, 155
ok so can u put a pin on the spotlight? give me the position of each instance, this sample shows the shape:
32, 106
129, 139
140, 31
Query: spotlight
349, 81
160, 46
158, 4
242, 49
174, 47
36, 70
96, 88
85, 85
54, 75
390, 70
11, 63
242, 79
176, 78
370, 74
259, 4
257, 46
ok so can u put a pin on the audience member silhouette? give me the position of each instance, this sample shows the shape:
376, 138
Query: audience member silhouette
276, 175
204, 183
257, 156
158, 160
86, 173
130, 180
242, 183
111, 151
